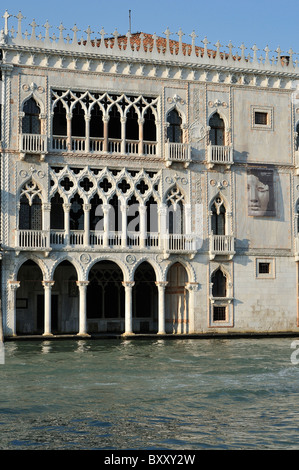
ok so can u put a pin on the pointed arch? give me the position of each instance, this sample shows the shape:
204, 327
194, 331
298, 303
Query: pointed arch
219, 281
145, 298
78, 127
29, 318
176, 299
31, 123
217, 123
59, 124
174, 126
175, 200
218, 215
30, 208
57, 212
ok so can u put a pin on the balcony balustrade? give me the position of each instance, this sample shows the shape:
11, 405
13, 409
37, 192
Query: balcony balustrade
33, 143
32, 239
180, 243
45, 240
221, 245
220, 155
97, 145
177, 152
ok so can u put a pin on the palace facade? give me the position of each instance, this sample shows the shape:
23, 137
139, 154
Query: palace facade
147, 185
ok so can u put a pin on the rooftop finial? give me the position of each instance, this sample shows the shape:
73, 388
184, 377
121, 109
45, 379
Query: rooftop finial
6, 16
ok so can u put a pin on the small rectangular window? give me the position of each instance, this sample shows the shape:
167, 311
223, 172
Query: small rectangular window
261, 118
219, 313
264, 268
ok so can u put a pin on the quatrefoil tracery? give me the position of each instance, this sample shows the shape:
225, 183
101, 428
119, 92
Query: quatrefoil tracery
105, 183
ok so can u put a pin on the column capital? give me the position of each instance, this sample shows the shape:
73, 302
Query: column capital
48, 284
106, 207
82, 283
192, 286
161, 283
67, 206
86, 207
47, 206
14, 285
128, 284
142, 208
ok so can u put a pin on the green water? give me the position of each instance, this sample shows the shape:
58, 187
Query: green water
149, 394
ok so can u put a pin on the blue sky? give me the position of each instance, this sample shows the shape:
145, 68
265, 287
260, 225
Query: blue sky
265, 22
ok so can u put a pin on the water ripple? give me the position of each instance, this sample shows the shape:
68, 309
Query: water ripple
159, 394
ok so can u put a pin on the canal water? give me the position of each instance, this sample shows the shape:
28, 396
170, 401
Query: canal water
150, 394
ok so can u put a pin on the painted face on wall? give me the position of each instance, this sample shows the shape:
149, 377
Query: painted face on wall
258, 196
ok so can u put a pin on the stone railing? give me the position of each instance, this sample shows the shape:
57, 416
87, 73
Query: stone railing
135, 47
178, 243
220, 155
177, 152
96, 145
43, 240
33, 143
221, 245
32, 239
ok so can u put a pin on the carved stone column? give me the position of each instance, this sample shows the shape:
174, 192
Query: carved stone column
69, 131
46, 221
142, 215
188, 218
128, 285
82, 307
67, 208
162, 211
87, 133
123, 209
161, 306
123, 121
86, 208
105, 130
140, 149
13, 286
192, 288
47, 299
106, 210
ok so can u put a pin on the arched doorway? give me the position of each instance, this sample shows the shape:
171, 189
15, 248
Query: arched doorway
105, 298
176, 300
65, 300
145, 300
29, 300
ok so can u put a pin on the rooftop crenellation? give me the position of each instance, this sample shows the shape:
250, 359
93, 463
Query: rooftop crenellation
144, 46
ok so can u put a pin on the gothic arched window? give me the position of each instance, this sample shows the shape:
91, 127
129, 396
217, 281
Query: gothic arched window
218, 217
114, 126
132, 127
59, 120
149, 126
174, 201
78, 121
217, 135
96, 122
174, 130
31, 119
30, 213
57, 213
219, 284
